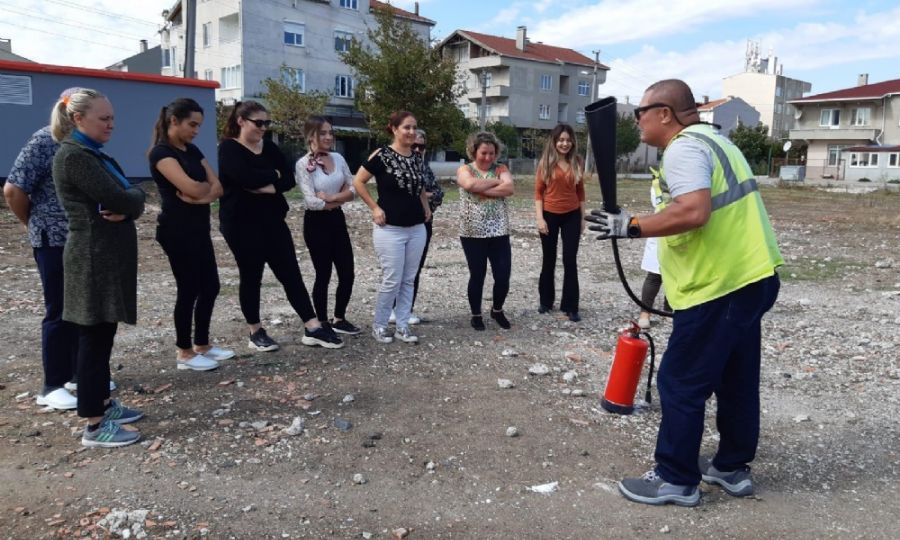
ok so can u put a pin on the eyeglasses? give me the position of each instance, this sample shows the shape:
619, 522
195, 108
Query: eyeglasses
418, 147
641, 110
260, 123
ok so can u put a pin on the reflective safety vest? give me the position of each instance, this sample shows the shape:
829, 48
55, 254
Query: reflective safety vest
736, 246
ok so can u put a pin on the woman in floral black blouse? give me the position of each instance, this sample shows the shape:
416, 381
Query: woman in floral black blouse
399, 216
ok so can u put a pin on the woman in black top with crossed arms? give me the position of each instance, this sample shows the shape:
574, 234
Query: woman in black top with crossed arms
187, 184
255, 174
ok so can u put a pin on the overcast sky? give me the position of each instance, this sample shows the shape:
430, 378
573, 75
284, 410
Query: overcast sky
825, 42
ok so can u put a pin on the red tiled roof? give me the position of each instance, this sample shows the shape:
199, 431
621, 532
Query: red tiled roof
533, 51
402, 13
712, 104
868, 91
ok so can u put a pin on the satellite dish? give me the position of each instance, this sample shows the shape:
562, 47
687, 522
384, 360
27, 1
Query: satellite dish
786, 147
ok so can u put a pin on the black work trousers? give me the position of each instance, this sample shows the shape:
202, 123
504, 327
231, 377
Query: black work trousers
95, 344
568, 226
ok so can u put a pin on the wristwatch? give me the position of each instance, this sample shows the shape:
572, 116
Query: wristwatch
634, 228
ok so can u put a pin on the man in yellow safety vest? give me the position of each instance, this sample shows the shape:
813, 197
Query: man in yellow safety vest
718, 256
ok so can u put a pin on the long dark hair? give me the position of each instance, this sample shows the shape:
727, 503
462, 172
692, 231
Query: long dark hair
180, 109
550, 157
242, 109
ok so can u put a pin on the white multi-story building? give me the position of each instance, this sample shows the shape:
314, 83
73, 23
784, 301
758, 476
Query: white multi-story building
765, 88
241, 43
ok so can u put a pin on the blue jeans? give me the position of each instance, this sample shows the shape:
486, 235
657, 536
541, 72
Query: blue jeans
714, 349
399, 249
59, 338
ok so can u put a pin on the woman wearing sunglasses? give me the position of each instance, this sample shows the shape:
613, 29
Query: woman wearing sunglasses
327, 183
187, 185
255, 175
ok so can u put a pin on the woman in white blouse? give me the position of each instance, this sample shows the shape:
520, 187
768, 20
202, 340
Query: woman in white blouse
327, 183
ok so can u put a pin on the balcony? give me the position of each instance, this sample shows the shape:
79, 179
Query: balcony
494, 91
835, 134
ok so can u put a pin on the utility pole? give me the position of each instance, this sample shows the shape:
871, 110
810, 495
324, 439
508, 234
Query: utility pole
588, 162
482, 114
190, 37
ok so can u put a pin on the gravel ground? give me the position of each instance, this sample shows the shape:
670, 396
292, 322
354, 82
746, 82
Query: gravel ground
372, 439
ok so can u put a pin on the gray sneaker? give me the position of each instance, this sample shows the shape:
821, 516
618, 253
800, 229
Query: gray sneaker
651, 489
382, 334
109, 435
406, 336
735, 483
120, 414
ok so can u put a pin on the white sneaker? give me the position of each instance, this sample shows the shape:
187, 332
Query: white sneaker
59, 399
644, 322
218, 354
73, 387
198, 363
406, 336
414, 319
393, 318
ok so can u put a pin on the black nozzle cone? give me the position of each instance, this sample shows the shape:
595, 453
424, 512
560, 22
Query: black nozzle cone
601, 119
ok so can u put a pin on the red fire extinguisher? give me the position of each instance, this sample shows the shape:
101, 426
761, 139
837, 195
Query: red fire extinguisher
626, 369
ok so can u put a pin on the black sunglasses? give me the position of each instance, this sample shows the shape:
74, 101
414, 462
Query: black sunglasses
418, 147
260, 123
641, 110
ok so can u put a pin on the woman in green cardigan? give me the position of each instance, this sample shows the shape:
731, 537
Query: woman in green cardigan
100, 257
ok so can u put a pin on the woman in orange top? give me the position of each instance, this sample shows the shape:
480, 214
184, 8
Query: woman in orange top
559, 209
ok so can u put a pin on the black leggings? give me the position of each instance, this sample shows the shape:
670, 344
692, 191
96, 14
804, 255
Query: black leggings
326, 237
95, 345
270, 243
478, 252
193, 262
428, 232
569, 225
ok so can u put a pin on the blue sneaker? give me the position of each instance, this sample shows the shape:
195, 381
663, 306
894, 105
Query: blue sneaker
109, 435
652, 489
735, 483
120, 414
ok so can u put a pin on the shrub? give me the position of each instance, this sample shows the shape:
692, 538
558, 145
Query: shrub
864, 179
894, 181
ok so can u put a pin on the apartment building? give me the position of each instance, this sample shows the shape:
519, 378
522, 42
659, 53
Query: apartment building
853, 132
728, 113
527, 85
764, 87
241, 43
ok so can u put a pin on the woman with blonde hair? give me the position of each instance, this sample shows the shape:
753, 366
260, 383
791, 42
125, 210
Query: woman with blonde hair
326, 183
559, 209
484, 186
100, 256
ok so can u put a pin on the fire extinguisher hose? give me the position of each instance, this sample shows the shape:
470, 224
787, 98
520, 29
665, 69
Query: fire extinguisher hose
649, 309
647, 397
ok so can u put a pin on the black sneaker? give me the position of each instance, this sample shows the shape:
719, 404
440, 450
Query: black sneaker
501, 319
544, 309
344, 326
573, 316
323, 337
477, 322
261, 341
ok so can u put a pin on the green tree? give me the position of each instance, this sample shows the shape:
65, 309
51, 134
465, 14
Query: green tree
628, 136
753, 142
289, 106
402, 72
508, 135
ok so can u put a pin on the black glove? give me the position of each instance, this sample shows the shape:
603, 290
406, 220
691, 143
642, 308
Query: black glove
610, 225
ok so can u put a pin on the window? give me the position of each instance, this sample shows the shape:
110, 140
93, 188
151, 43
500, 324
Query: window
343, 86
579, 117
295, 78
834, 153
342, 41
830, 118
488, 110
864, 159
293, 34
860, 116
778, 91
584, 88
208, 74
350, 4
562, 112
779, 108
546, 83
166, 58
894, 160
207, 38
544, 112
231, 77
487, 79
